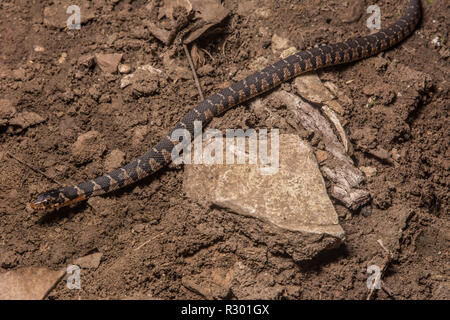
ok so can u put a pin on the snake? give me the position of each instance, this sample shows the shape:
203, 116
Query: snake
254, 85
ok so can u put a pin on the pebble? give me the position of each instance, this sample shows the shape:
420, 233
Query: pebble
145, 74
381, 154
86, 60
310, 86
124, 68
138, 228
395, 154
38, 48
91, 261
321, 156
108, 62
369, 171
279, 43
63, 57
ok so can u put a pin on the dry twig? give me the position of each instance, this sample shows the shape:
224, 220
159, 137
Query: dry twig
197, 83
386, 263
143, 244
32, 168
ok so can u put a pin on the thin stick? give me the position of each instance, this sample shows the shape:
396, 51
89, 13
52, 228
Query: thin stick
197, 83
386, 263
152, 238
32, 168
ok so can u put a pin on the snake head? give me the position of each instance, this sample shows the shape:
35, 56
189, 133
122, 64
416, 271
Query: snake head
48, 201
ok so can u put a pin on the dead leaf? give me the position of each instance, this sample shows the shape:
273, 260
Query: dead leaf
206, 14
169, 5
210, 13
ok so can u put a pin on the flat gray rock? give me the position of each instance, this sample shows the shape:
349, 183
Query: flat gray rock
91, 261
30, 283
294, 198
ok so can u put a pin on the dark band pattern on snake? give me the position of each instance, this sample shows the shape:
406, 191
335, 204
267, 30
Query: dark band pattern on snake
252, 86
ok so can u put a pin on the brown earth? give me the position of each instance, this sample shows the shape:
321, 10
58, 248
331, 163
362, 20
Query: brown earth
158, 243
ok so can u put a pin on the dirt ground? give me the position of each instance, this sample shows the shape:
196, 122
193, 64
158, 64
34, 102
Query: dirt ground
154, 239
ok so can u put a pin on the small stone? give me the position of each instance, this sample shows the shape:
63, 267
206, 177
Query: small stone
91, 261
436, 42
38, 48
105, 98
353, 13
381, 154
68, 127
336, 106
395, 154
369, 171
108, 62
144, 81
87, 60
124, 68
263, 12
114, 160
138, 228
310, 87
279, 43
321, 156
63, 57
246, 8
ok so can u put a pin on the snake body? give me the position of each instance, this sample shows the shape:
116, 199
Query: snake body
254, 85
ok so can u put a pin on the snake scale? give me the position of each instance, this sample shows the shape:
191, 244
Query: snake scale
254, 85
